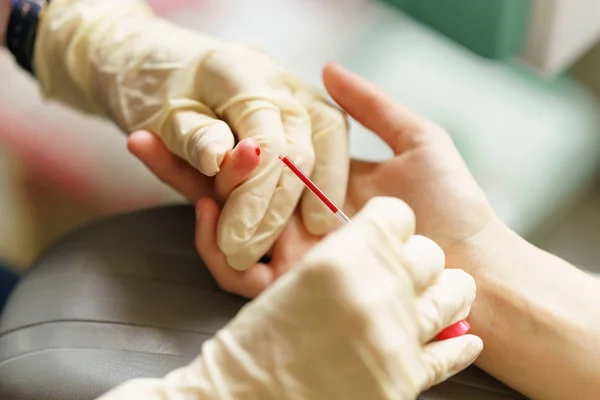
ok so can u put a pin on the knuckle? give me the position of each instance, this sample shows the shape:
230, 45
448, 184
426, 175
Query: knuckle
466, 282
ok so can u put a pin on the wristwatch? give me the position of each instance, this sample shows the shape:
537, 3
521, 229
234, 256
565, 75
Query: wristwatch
22, 30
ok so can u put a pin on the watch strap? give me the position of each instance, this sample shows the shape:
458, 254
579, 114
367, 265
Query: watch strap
22, 30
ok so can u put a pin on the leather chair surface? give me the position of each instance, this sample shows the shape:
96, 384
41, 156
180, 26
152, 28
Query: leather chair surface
128, 297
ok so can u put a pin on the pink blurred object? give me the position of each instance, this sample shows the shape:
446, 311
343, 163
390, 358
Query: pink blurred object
165, 8
48, 157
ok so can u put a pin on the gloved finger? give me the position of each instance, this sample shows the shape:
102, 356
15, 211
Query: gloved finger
332, 165
248, 283
169, 168
447, 301
257, 210
397, 126
247, 204
297, 126
237, 166
199, 139
424, 260
447, 358
387, 223
184, 178
271, 226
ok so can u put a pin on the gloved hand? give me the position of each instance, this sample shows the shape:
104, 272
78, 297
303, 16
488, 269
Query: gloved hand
355, 320
115, 58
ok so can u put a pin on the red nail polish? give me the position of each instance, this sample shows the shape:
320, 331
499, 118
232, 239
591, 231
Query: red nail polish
257, 150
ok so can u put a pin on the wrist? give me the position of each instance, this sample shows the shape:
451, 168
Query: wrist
528, 316
479, 253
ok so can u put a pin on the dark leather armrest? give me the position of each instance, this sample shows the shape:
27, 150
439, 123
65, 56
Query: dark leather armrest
125, 298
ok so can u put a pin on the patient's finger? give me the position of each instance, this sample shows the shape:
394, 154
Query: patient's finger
181, 176
237, 166
400, 128
249, 283
170, 169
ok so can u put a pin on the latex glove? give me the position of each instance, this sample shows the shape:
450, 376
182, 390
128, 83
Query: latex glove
354, 320
115, 58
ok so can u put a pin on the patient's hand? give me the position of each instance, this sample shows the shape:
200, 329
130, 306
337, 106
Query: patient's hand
427, 172
237, 165
293, 243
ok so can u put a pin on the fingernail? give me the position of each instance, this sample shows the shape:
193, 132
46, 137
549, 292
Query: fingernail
257, 150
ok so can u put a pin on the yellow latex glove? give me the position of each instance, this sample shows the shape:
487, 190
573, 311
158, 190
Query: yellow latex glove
115, 58
354, 321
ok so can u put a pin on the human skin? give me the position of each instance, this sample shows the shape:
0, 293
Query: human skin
537, 314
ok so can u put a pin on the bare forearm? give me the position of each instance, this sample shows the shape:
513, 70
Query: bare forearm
539, 318
4, 14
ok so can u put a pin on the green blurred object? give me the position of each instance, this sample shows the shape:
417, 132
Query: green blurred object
491, 28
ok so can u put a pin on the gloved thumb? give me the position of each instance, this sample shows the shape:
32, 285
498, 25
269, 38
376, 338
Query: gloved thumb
199, 139
446, 358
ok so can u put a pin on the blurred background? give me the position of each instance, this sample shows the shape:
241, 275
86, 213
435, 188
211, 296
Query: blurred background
514, 81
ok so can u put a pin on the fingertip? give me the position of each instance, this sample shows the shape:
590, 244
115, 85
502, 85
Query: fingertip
337, 77
317, 222
467, 347
239, 164
331, 76
455, 354
240, 263
327, 69
136, 141
332, 68
473, 346
246, 154
477, 342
